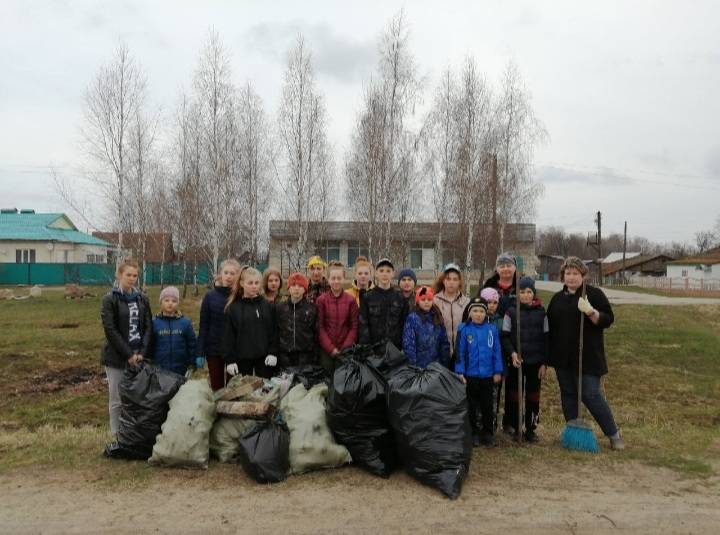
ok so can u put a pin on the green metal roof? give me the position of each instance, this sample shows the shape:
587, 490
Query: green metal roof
40, 227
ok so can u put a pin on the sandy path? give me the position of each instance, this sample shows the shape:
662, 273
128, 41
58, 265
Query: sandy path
619, 297
631, 498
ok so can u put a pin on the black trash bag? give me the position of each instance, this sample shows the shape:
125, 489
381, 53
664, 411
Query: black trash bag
386, 358
114, 450
308, 375
357, 412
428, 411
145, 392
265, 452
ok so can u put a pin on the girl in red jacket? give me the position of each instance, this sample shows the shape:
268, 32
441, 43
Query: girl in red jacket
337, 318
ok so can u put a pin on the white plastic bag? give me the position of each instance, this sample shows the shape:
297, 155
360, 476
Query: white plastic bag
312, 445
185, 437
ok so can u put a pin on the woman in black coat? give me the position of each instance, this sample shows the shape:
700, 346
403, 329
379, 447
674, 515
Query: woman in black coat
127, 322
564, 312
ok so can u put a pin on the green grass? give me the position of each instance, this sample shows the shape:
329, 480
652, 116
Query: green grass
664, 293
664, 387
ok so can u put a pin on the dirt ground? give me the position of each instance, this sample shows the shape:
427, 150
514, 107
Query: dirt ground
630, 498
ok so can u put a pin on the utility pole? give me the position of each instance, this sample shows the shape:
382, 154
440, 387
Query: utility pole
597, 245
599, 235
624, 250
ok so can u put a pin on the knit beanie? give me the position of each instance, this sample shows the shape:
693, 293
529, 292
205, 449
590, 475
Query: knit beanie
316, 261
475, 302
505, 258
407, 272
490, 294
170, 292
423, 292
527, 282
299, 279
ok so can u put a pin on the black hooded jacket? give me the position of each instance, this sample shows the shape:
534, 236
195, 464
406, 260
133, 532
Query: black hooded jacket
249, 330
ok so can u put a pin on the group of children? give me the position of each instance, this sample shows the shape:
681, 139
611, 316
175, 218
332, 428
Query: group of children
249, 324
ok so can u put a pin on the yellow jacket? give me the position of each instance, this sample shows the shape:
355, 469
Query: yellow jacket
356, 292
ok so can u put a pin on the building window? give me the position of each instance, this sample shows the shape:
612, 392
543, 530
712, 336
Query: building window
449, 257
422, 255
684, 273
330, 251
95, 259
24, 256
355, 249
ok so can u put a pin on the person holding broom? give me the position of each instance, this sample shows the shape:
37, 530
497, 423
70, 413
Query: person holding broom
576, 299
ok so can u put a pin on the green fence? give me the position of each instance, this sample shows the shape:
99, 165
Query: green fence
97, 274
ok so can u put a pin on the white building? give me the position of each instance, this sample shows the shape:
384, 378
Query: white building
704, 266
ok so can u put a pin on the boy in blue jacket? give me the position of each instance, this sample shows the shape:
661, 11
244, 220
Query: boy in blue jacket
424, 336
174, 342
480, 365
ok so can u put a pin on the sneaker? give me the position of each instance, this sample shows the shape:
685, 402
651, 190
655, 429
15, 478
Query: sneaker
476, 440
617, 444
509, 430
530, 436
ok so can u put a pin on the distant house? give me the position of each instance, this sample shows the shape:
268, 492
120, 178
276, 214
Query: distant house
343, 241
637, 266
27, 237
617, 257
158, 246
549, 266
703, 266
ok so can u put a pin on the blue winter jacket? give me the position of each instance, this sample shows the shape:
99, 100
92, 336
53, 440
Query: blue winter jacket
174, 343
478, 350
212, 322
425, 341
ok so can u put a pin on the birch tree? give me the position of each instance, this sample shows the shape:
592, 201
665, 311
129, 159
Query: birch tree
440, 144
111, 104
474, 124
255, 157
305, 170
518, 132
380, 168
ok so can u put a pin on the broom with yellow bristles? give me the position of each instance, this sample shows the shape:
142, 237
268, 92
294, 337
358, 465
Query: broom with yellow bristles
578, 434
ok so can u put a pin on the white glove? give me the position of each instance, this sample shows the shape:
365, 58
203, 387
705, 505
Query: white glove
585, 307
232, 369
271, 360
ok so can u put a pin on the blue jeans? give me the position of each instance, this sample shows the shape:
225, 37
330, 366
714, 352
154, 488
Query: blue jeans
592, 398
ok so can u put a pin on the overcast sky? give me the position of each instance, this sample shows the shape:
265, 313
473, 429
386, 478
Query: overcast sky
628, 91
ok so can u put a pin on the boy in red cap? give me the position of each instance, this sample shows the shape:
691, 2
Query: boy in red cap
424, 336
296, 318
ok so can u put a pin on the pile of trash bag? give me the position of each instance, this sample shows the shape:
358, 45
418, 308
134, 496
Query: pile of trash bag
264, 451
228, 429
145, 392
225, 437
308, 375
357, 408
185, 437
428, 411
312, 445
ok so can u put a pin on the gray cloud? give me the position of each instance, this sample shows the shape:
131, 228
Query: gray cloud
333, 54
712, 162
549, 174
